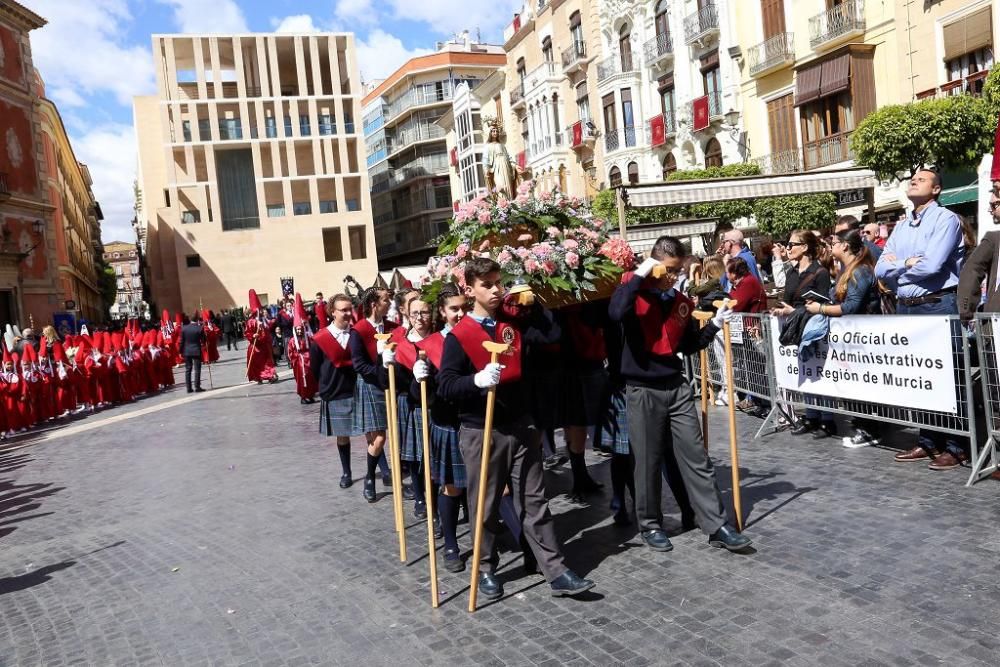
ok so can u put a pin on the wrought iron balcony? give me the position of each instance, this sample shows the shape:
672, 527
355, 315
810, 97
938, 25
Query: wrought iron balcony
575, 56
837, 23
714, 105
659, 50
781, 162
620, 139
827, 151
517, 96
702, 24
614, 65
771, 54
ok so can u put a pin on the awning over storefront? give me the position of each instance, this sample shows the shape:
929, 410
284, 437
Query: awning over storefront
748, 187
962, 195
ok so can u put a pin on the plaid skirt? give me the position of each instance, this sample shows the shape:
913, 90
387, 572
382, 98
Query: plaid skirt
545, 392
336, 418
369, 408
584, 396
448, 466
614, 426
411, 424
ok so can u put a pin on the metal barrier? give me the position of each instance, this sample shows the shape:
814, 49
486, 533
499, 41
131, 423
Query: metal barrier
987, 329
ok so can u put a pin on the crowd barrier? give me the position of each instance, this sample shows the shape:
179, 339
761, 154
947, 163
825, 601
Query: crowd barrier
754, 375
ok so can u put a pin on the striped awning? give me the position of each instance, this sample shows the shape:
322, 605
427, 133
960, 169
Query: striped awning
748, 187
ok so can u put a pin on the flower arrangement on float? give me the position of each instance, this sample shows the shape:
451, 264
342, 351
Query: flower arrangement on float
549, 241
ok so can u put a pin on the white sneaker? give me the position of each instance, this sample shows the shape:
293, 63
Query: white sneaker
861, 438
722, 400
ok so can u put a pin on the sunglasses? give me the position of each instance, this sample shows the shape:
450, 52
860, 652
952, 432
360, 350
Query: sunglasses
795, 243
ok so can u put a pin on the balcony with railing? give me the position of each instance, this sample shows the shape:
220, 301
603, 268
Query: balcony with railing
575, 57
837, 24
969, 85
701, 25
827, 151
715, 111
416, 133
419, 96
772, 54
616, 66
626, 137
517, 96
659, 51
780, 162
546, 73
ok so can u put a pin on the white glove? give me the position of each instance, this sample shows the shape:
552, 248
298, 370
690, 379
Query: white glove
722, 315
379, 346
388, 356
646, 267
421, 370
488, 377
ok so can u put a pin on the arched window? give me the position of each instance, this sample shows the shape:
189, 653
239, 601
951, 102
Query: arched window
576, 30
615, 177
662, 26
633, 173
713, 153
547, 49
625, 47
669, 165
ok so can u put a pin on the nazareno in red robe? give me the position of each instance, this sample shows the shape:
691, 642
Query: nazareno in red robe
298, 353
260, 358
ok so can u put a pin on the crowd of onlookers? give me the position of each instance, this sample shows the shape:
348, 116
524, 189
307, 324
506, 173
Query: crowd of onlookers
929, 264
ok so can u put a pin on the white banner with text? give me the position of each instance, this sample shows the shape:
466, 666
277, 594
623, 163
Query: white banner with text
903, 360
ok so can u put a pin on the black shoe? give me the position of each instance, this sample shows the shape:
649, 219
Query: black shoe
190, 391
805, 425
407, 492
657, 540
198, 390
303, 401
826, 429
369, 492
489, 586
310, 401
728, 537
622, 518
420, 509
346, 481
554, 461
387, 480
453, 560
577, 498
568, 583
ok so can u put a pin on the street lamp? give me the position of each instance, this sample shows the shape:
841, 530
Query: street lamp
732, 118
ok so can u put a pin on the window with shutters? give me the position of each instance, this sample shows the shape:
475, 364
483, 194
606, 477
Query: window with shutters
628, 117
665, 87
661, 21
547, 49
625, 47
633, 173
773, 15
582, 102
610, 119
713, 153
784, 157
669, 165
615, 177
968, 53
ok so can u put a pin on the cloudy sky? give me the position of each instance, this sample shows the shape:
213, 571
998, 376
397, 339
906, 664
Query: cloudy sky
94, 55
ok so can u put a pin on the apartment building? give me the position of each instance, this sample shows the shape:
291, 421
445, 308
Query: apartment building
250, 168
123, 258
465, 137
406, 150
553, 47
669, 86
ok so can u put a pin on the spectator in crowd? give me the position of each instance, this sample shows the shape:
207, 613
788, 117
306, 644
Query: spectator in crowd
803, 276
229, 330
849, 222
747, 291
982, 265
922, 261
709, 284
780, 264
855, 293
732, 246
765, 257
872, 232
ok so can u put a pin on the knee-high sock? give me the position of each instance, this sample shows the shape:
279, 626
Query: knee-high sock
510, 517
448, 512
417, 479
383, 464
345, 458
581, 478
621, 477
372, 464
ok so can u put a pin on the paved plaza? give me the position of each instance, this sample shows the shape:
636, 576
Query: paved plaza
210, 530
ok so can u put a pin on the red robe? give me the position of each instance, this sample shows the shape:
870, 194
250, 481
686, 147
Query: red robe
210, 351
260, 356
305, 383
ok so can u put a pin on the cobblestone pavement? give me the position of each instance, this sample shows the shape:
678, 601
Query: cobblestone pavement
212, 531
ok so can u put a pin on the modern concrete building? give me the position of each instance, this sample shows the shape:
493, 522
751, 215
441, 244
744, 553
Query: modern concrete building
407, 156
123, 258
250, 168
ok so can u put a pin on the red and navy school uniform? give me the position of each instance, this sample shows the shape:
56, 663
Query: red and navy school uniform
372, 378
332, 367
408, 415
585, 352
447, 464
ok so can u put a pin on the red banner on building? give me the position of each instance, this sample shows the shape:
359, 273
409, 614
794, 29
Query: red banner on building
522, 159
657, 131
577, 133
454, 157
700, 108
517, 23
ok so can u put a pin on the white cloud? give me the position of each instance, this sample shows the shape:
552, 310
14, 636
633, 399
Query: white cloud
354, 12
208, 16
110, 153
296, 23
380, 54
79, 52
448, 17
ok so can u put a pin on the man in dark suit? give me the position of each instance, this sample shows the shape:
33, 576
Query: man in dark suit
192, 340
229, 330
982, 265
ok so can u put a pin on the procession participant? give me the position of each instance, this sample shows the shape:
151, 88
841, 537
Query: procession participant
319, 312
657, 327
585, 385
29, 396
332, 370
419, 315
162, 360
372, 380
260, 359
8, 383
447, 464
13, 394
210, 350
465, 377
65, 399
298, 354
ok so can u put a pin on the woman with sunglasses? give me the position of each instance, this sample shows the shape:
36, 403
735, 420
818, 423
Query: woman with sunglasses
806, 274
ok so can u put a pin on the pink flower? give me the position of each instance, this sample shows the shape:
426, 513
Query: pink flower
525, 187
590, 234
572, 260
458, 273
530, 265
504, 257
542, 250
570, 244
522, 252
553, 231
522, 199
549, 266
462, 250
597, 223
524, 237
545, 196
484, 216
502, 202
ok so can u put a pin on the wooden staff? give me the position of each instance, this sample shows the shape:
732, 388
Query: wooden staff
431, 544
495, 350
392, 433
704, 316
253, 349
734, 453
